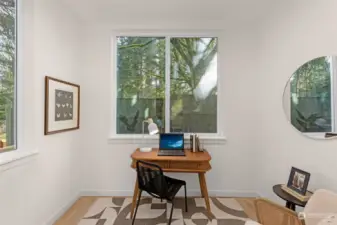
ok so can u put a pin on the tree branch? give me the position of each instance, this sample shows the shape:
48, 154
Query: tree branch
137, 45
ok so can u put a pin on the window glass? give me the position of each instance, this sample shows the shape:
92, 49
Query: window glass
142, 91
7, 74
140, 83
193, 85
310, 88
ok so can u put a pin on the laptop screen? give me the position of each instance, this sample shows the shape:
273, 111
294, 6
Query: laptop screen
171, 141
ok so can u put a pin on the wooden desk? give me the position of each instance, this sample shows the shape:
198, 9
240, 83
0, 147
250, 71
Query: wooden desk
198, 162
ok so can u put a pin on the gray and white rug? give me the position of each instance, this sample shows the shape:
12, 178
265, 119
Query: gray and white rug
116, 211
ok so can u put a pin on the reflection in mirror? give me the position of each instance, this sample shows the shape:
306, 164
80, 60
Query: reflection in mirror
308, 98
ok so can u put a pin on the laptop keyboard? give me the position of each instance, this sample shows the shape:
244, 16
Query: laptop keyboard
171, 153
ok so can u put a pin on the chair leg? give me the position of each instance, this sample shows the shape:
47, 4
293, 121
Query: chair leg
185, 198
134, 216
169, 223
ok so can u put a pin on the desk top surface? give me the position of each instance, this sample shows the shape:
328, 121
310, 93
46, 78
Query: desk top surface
189, 156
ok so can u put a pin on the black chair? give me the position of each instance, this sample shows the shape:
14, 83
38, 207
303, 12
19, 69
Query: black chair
151, 179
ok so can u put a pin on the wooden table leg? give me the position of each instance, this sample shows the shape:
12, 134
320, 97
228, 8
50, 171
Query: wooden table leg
201, 187
134, 199
204, 191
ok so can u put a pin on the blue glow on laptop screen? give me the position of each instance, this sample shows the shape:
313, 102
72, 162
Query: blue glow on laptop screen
174, 142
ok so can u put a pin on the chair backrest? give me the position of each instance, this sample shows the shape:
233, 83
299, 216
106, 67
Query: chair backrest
270, 213
321, 205
151, 179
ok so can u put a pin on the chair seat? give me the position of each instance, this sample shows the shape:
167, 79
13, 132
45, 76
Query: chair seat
174, 186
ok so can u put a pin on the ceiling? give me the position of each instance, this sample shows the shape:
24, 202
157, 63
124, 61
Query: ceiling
176, 10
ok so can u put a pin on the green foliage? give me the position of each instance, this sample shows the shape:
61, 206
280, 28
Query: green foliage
130, 126
311, 87
141, 76
141, 65
307, 124
312, 77
7, 66
185, 51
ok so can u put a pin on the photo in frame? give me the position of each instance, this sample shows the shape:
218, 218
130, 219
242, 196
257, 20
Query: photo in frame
298, 180
62, 106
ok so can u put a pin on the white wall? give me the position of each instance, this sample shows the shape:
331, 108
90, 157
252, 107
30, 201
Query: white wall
256, 60
106, 166
297, 33
34, 189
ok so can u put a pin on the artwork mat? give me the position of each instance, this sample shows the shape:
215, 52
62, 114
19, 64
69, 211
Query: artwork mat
52, 126
293, 171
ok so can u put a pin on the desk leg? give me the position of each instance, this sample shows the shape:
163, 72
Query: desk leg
134, 199
201, 187
204, 191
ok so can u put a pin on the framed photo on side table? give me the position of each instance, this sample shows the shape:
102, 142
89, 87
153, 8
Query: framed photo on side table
298, 180
62, 106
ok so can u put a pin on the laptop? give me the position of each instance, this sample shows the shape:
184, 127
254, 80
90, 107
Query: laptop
171, 144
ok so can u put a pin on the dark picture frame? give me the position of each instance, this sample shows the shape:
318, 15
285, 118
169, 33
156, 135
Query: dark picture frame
62, 106
298, 180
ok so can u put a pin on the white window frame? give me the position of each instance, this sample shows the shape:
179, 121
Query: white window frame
334, 94
134, 138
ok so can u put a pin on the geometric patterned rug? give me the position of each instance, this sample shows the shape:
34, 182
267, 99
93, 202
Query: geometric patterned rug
151, 211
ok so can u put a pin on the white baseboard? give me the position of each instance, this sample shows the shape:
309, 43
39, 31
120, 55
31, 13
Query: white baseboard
211, 193
62, 210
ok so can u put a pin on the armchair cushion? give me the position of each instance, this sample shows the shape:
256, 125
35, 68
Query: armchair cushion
322, 204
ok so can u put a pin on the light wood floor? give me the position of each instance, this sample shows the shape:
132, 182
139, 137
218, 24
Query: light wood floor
81, 206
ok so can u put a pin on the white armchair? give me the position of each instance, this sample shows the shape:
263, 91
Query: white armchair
321, 208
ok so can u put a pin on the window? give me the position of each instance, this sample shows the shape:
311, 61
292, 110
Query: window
7, 74
172, 80
312, 89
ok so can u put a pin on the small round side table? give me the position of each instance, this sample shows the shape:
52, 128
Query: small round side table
291, 201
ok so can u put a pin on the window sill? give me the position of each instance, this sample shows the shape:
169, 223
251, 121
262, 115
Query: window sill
7, 159
154, 139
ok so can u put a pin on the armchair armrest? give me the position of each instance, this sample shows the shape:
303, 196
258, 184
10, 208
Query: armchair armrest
270, 213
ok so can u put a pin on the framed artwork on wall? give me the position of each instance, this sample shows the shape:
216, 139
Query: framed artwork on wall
62, 106
298, 180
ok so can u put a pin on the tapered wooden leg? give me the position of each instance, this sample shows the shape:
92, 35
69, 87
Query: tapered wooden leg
204, 191
134, 217
134, 199
201, 187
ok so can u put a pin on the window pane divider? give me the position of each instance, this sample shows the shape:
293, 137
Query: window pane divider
167, 84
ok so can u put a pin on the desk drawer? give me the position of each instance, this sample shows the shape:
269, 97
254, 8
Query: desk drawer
189, 165
162, 164
179, 166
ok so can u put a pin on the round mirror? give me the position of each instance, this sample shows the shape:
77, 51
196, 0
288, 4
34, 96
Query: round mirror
308, 98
